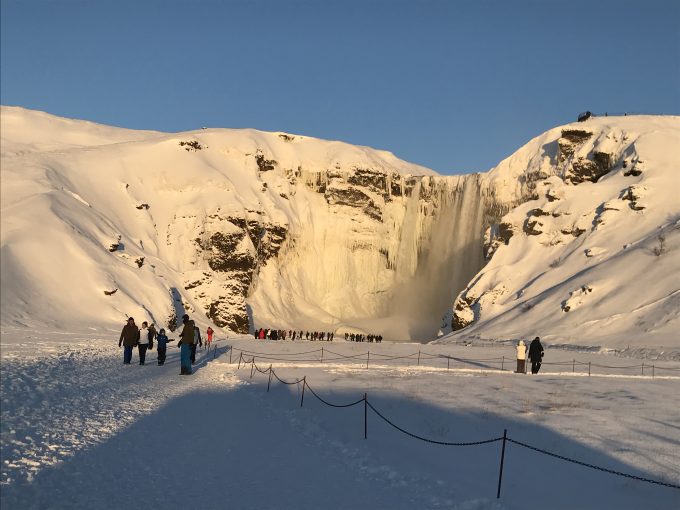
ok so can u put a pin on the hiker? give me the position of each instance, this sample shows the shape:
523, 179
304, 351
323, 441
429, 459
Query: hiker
128, 337
521, 357
143, 343
209, 332
162, 340
185, 342
535, 355
197, 342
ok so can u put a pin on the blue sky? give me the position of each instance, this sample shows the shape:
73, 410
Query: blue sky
453, 85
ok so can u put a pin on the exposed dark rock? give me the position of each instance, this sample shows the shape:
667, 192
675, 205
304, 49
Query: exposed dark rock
222, 317
263, 164
286, 138
372, 211
139, 261
574, 231
571, 139
142, 206
530, 227
110, 292
193, 145
375, 180
395, 185
583, 169
352, 197
632, 195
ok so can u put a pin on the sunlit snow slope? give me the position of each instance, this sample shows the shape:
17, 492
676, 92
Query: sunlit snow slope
243, 228
594, 259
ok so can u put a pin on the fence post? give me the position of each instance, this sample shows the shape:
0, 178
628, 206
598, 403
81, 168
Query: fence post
573, 366
502, 362
643, 368
304, 383
418, 357
589, 369
500, 474
365, 416
270, 377
321, 354
448, 361
231, 349
368, 357
652, 371
239, 360
252, 367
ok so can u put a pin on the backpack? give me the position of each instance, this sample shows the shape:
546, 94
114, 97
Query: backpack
197, 336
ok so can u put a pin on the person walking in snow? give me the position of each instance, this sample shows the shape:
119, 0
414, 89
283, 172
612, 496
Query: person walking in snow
128, 338
209, 332
521, 357
535, 355
197, 342
185, 342
162, 340
143, 343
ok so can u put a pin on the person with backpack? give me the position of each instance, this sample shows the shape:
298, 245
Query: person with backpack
128, 338
185, 343
209, 332
536, 355
197, 342
162, 346
143, 342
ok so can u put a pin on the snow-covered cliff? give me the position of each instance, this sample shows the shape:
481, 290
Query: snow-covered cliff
239, 227
593, 257
244, 228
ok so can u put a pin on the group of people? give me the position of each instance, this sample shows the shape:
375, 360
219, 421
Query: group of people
282, 334
535, 355
356, 337
143, 338
313, 336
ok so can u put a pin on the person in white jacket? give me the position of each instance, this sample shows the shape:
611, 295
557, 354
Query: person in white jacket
521, 357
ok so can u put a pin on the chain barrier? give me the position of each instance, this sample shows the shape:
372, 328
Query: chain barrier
592, 466
503, 438
433, 441
377, 357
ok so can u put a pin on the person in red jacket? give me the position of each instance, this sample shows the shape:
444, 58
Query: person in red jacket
209, 332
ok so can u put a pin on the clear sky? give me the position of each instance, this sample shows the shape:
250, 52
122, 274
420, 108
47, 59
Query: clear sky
453, 85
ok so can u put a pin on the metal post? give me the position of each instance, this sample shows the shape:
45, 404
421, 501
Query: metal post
252, 367
231, 349
643, 368
500, 474
573, 366
652, 371
239, 360
448, 362
418, 358
304, 383
321, 354
270, 377
502, 362
365, 416
368, 357
589, 369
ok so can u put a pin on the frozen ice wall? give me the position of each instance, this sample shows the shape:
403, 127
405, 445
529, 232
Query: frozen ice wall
388, 260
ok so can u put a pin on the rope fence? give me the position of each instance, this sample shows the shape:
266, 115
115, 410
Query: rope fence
245, 360
497, 363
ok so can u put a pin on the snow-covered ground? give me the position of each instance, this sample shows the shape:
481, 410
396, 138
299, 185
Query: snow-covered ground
80, 430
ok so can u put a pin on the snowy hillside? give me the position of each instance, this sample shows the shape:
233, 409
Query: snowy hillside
593, 259
244, 228
102, 222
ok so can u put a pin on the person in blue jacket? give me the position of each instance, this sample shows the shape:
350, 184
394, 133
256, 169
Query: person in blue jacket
162, 340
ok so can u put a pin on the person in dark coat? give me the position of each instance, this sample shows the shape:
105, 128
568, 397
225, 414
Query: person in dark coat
535, 355
128, 338
162, 340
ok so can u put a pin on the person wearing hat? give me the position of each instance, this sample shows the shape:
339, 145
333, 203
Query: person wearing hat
535, 355
186, 341
521, 357
128, 338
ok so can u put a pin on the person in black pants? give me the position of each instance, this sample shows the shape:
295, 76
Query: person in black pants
162, 340
197, 341
536, 355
